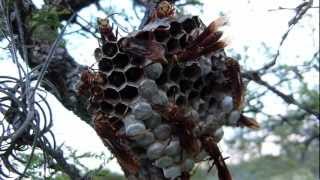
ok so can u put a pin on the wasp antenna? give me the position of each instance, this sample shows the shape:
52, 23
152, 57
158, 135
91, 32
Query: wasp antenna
112, 14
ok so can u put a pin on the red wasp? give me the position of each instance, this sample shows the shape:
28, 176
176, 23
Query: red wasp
162, 10
233, 74
213, 150
106, 30
86, 79
207, 42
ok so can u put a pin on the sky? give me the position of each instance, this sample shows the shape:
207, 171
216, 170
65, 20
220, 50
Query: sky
249, 25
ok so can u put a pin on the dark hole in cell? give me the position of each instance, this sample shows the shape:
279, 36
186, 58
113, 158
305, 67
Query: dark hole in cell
162, 79
173, 44
121, 61
198, 83
183, 41
106, 107
139, 150
189, 25
120, 109
111, 94
202, 107
138, 60
212, 77
196, 20
192, 71
214, 68
175, 73
212, 102
185, 85
181, 100
134, 74
117, 78
209, 76
129, 93
172, 91
161, 35
175, 28
110, 49
205, 91
193, 95
105, 65
116, 123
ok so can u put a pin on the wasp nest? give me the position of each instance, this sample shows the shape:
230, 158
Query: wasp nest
162, 94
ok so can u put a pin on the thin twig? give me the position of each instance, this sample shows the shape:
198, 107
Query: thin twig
301, 10
287, 98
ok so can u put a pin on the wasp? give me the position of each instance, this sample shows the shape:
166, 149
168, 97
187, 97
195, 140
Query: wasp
91, 82
235, 82
248, 122
106, 30
207, 42
162, 10
144, 44
182, 126
113, 140
214, 152
86, 79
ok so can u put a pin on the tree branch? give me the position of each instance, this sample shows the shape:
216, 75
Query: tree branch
287, 98
301, 10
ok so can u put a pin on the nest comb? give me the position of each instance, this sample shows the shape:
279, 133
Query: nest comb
163, 93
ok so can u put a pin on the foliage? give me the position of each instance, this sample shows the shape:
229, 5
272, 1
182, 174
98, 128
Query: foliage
274, 168
36, 169
44, 23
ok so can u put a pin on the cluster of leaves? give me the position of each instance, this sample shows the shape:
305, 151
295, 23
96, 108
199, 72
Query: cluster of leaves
274, 168
37, 172
44, 23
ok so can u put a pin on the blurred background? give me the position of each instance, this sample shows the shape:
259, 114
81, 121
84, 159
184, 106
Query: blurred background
285, 101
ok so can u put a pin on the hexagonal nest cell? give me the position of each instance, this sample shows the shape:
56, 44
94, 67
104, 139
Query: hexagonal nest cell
161, 35
117, 78
106, 107
129, 93
134, 74
175, 28
111, 94
189, 84
110, 49
121, 60
121, 109
105, 65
